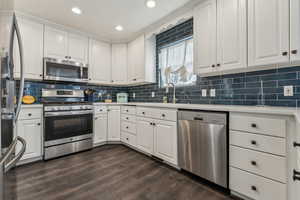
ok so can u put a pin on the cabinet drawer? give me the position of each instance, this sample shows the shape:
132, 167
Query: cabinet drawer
128, 127
263, 164
170, 115
100, 110
129, 139
144, 112
256, 187
163, 114
129, 118
254, 124
130, 110
257, 142
30, 113
114, 108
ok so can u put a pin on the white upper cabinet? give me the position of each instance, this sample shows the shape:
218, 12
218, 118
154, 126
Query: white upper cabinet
78, 47
231, 34
220, 36
268, 32
63, 45
205, 36
56, 43
119, 64
141, 60
100, 62
295, 30
32, 35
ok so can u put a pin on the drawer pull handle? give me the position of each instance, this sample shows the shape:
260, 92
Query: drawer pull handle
296, 176
296, 144
253, 142
253, 163
253, 188
294, 51
253, 125
101, 110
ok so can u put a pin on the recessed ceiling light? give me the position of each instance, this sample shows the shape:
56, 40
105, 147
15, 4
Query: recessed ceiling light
119, 28
76, 10
151, 3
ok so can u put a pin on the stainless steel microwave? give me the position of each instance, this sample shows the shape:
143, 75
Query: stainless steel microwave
65, 70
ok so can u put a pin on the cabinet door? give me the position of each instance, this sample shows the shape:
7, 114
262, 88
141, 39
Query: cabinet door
56, 43
268, 32
78, 48
145, 135
205, 38
31, 131
231, 34
32, 38
165, 141
100, 129
136, 60
100, 62
119, 63
114, 125
295, 30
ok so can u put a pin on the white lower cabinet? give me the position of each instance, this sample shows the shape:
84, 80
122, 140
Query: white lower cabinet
100, 129
31, 130
165, 141
256, 187
114, 124
145, 135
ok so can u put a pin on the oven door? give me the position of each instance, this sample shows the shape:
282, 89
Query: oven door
70, 126
60, 70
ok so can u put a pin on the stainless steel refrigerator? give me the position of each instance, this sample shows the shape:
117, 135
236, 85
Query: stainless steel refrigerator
10, 98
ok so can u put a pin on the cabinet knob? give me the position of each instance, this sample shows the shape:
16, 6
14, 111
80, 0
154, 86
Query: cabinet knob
66, 57
254, 125
134, 79
151, 124
143, 113
96, 118
41, 75
294, 51
127, 118
154, 124
253, 163
213, 66
127, 110
218, 65
253, 142
253, 188
29, 114
127, 138
285, 53
163, 115
127, 127
39, 124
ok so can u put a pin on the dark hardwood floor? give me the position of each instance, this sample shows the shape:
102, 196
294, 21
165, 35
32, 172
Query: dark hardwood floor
112, 172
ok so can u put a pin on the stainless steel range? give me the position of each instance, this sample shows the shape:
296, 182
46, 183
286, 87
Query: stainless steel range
68, 125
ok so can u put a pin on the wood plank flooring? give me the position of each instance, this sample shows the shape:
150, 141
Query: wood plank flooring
112, 172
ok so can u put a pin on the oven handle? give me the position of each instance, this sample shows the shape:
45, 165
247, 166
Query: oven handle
68, 113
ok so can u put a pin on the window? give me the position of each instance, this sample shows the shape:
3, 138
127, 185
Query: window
176, 64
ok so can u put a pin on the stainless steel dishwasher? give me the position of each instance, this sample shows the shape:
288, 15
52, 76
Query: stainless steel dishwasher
203, 145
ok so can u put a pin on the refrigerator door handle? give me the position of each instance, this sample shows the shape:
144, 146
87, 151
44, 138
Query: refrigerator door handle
16, 29
10, 152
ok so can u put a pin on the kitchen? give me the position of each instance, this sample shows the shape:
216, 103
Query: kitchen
144, 99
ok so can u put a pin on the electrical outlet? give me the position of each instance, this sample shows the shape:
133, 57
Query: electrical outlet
133, 95
288, 91
153, 94
204, 92
213, 92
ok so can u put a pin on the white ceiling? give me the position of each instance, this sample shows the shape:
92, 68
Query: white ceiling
99, 17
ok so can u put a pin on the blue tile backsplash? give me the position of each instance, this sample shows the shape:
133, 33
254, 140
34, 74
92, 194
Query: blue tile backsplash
234, 89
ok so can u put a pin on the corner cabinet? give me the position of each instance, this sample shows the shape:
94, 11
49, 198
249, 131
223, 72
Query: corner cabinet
100, 129
141, 60
114, 124
32, 34
100, 62
119, 64
268, 32
220, 37
63, 45
145, 135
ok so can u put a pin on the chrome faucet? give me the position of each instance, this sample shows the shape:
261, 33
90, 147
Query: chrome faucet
174, 91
